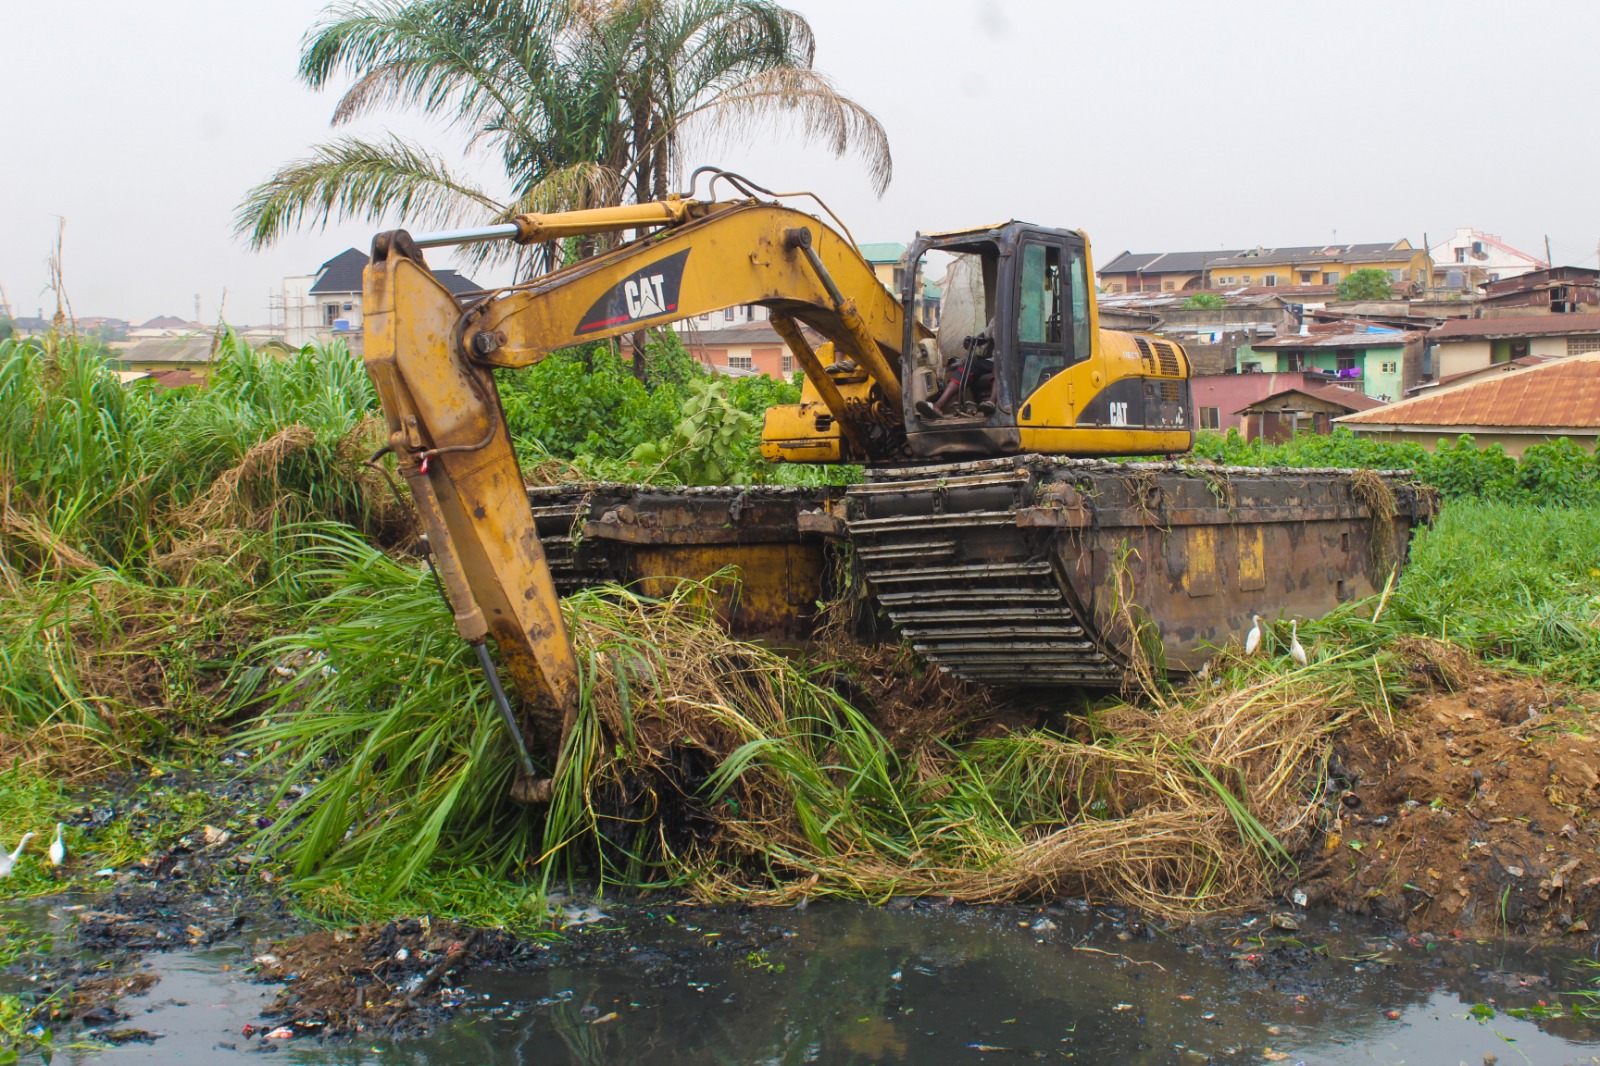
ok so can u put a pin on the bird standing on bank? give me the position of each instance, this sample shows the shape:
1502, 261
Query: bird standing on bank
1252, 639
8, 861
58, 850
1296, 652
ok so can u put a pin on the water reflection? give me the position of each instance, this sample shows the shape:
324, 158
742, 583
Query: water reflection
842, 984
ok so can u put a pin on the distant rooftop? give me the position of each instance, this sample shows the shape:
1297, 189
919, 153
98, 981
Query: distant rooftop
1517, 326
341, 275
883, 252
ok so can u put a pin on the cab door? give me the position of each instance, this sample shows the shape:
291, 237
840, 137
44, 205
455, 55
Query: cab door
1052, 311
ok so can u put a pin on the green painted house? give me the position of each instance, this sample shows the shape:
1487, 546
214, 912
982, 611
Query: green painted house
1385, 362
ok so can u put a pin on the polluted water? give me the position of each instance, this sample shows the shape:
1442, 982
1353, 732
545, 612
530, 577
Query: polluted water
914, 982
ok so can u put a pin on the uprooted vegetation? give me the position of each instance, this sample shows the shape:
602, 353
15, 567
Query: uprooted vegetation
207, 568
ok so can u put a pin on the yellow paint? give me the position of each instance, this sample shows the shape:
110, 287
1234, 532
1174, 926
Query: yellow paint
1252, 558
772, 581
1200, 560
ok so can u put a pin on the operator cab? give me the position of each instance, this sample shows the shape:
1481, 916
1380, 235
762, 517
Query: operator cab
1010, 309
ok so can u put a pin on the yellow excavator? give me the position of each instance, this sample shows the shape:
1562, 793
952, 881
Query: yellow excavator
988, 527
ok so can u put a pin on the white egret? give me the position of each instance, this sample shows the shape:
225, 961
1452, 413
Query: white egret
1296, 652
1252, 639
58, 850
8, 861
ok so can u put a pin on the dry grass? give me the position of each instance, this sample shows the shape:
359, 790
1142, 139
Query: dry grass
747, 782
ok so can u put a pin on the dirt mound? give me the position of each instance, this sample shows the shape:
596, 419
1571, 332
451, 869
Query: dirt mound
1479, 816
384, 975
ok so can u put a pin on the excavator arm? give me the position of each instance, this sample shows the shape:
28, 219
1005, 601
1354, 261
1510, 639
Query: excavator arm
432, 362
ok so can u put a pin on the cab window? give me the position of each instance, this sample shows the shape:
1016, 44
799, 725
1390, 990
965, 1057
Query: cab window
1039, 311
1040, 319
1078, 286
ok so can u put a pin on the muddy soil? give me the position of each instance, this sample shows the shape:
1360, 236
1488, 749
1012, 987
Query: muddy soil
1479, 816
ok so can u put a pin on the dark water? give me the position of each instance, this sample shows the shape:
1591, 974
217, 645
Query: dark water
851, 984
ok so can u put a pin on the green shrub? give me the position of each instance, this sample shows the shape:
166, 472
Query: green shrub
1556, 473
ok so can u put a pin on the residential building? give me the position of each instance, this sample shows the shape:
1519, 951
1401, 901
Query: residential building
1301, 409
182, 359
1383, 362
888, 263
727, 318
743, 348
1301, 266
1567, 290
1467, 344
1324, 264
1211, 336
1160, 271
1221, 400
166, 326
1473, 256
1521, 407
327, 305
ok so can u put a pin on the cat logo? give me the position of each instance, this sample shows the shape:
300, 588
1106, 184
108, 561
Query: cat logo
649, 292
646, 297
1119, 414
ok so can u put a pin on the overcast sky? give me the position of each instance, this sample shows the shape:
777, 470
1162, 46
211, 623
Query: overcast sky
1154, 126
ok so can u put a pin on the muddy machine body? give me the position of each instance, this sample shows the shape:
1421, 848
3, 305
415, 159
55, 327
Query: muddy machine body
987, 527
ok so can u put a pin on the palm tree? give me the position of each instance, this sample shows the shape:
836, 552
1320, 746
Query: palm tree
584, 102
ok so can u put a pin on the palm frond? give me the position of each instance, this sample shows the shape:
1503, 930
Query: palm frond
354, 179
826, 116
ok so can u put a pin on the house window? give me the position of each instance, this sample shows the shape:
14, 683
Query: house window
1388, 368
1461, 255
1577, 345
1270, 280
727, 315
1225, 281
788, 362
1345, 360
1244, 279
705, 318
1210, 418
1330, 277
330, 313
1308, 277
1168, 286
740, 362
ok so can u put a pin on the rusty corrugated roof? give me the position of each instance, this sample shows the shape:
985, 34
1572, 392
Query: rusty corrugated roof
1376, 339
1516, 326
1349, 399
1560, 394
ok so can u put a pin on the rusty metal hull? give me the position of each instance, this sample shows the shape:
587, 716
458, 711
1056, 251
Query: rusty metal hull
649, 539
1023, 571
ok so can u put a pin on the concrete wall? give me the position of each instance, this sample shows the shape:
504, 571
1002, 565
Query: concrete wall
1513, 443
1385, 372
763, 360
1459, 357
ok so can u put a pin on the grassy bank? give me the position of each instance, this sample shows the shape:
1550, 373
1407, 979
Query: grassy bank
199, 571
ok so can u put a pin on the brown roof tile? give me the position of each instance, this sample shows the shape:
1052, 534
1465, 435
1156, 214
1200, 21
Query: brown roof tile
1563, 393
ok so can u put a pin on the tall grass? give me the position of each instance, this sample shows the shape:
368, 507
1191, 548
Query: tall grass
143, 531
95, 472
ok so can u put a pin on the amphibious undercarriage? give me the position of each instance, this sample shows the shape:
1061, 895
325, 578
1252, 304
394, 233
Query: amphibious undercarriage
1023, 571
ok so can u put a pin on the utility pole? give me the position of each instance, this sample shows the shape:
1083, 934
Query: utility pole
1548, 261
